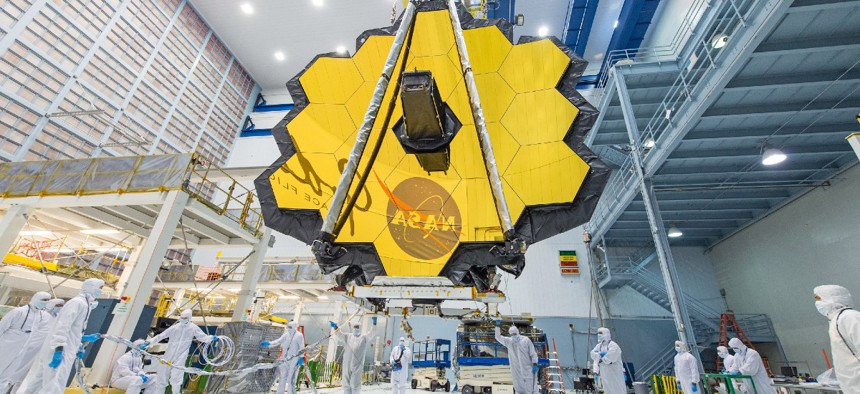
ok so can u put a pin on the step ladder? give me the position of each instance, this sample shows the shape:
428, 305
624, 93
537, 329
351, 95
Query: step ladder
554, 376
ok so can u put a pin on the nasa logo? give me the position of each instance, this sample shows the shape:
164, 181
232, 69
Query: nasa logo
424, 219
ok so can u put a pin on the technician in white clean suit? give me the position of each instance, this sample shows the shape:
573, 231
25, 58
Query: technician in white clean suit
354, 351
748, 362
606, 357
53, 364
292, 344
400, 359
523, 360
17, 370
16, 328
179, 336
836, 304
128, 372
686, 369
728, 359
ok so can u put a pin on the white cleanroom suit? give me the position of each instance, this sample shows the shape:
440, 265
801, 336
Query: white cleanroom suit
128, 372
16, 329
686, 369
523, 360
53, 363
354, 350
748, 362
836, 304
606, 357
179, 336
400, 377
16, 371
292, 344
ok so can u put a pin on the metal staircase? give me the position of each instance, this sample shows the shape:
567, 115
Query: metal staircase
618, 271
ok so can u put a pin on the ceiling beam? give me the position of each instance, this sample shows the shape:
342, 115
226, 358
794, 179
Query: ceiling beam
759, 132
808, 45
818, 5
745, 111
792, 80
697, 152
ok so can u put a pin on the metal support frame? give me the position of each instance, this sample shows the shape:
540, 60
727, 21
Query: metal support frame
343, 185
297, 314
481, 126
140, 283
11, 224
253, 268
658, 231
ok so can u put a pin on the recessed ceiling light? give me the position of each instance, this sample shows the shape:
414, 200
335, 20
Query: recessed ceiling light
615, 25
543, 31
247, 8
322, 297
772, 156
35, 233
96, 231
279, 56
341, 49
674, 232
318, 3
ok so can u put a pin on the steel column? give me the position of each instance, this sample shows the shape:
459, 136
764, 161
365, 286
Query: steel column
658, 231
140, 283
253, 268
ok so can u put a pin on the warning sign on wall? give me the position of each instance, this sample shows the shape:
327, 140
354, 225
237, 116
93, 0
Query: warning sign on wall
568, 262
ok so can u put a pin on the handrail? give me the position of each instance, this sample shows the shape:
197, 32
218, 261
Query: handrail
722, 17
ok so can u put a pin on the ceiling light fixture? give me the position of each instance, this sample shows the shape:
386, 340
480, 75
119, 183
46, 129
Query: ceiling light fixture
520, 20
674, 232
97, 231
772, 156
341, 49
720, 40
318, 3
35, 233
247, 8
279, 56
322, 297
289, 297
543, 31
649, 143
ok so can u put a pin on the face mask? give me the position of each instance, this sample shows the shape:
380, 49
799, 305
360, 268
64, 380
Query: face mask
736, 350
678, 349
599, 338
356, 331
825, 308
183, 321
94, 305
40, 304
722, 355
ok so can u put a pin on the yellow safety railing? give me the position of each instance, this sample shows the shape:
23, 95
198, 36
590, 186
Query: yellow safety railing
664, 384
191, 173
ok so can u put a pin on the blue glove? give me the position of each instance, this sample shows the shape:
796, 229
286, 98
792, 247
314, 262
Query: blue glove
214, 338
81, 353
333, 325
498, 323
144, 346
695, 388
91, 338
374, 320
602, 354
736, 372
265, 344
679, 386
301, 360
143, 378
535, 369
56, 359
